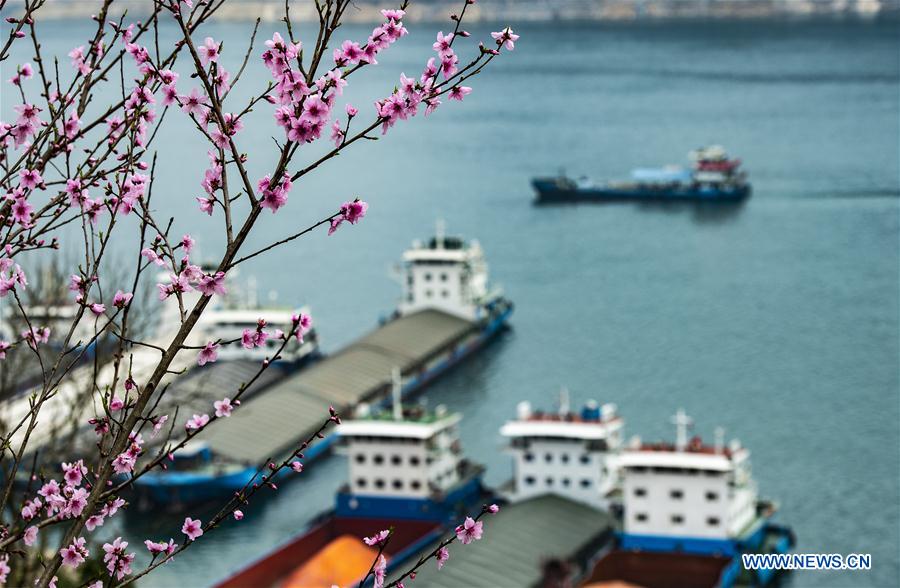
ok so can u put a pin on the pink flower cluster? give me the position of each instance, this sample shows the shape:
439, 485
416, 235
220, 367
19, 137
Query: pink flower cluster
11, 275
125, 461
117, 561
352, 212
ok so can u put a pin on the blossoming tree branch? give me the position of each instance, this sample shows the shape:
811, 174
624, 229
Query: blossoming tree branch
76, 171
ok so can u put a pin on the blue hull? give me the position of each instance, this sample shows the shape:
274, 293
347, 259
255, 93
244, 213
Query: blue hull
553, 190
767, 537
175, 489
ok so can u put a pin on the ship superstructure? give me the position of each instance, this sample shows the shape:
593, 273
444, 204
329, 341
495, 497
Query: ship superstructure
448, 274
406, 472
699, 496
690, 511
574, 455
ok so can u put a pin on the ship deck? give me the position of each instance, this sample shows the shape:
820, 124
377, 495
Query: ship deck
295, 407
526, 536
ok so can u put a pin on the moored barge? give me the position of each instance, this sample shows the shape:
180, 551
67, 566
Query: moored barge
448, 312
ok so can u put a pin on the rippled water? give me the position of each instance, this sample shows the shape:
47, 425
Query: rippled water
777, 320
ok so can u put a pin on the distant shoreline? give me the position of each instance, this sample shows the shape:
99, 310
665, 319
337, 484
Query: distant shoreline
520, 11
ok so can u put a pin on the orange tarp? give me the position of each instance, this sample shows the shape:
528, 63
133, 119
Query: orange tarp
342, 562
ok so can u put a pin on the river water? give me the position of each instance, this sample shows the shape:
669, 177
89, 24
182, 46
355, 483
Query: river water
777, 320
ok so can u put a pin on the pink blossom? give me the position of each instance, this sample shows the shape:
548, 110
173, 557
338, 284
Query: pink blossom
167, 547
30, 535
443, 44
208, 354
458, 92
506, 38
206, 204
337, 133
124, 463
78, 60
238, 515
379, 571
170, 95
4, 347
212, 284
75, 554
469, 531
122, 299
197, 421
351, 110
30, 178
4, 568
223, 407
158, 423
117, 561
297, 466
193, 103
354, 211
93, 522
97, 308
116, 404
192, 528
209, 51
442, 556
493, 509
187, 243
74, 472
378, 538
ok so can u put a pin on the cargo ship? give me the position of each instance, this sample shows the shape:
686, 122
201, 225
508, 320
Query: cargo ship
406, 472
448, 312
712, 177
585, 508
689, 511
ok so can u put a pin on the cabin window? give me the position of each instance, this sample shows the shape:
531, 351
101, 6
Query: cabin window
409, 297
414, 460
445, 294
713, 521
428, 293
378, 459
443, 277
676, 494
548, 458
398, 484
640, 492
427, 277
396, 460
641, 517
415, 484
529, 457
529, 480
379, 483
677, 519
585, 459
712, 496
585, 483
566, 482
360, 458
564, 458
361, 483
549, 480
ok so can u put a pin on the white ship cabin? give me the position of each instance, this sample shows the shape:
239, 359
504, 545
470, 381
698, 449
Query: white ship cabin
448, 274
570, 454
409, 453
688, 489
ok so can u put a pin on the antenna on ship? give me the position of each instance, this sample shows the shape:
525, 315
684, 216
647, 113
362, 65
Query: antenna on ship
563, 401
681, 421
396, 388
720, 439
440, 230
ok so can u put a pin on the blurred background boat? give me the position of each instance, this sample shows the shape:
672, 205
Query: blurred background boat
713, 177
